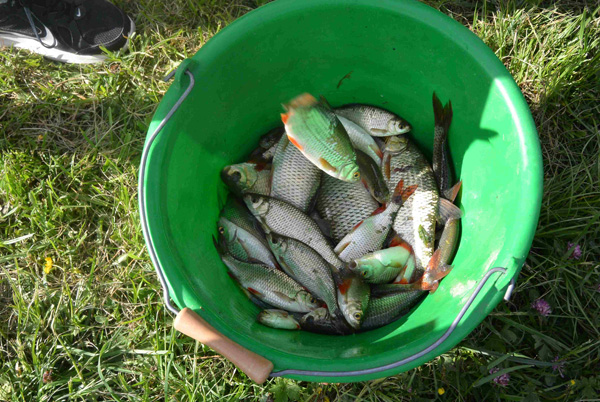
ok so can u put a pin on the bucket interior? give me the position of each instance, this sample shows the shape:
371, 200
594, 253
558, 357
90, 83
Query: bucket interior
393, 55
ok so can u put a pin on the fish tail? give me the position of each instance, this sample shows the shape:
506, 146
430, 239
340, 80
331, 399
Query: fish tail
377, 150
305, 99
442, 115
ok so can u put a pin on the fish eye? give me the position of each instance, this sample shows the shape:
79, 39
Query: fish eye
274, 241
356, 175
364, 273
235, 177
221, 230
254, 199
357, 316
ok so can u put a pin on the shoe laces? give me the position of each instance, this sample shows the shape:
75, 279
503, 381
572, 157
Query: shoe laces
61, 11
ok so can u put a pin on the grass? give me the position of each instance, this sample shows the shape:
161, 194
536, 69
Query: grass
91, 326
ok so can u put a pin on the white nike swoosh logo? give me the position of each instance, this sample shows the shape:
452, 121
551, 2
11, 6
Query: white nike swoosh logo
48, 39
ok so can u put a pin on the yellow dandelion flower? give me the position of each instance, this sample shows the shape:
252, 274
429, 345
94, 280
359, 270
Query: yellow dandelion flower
48, 265
572, 382
441, 391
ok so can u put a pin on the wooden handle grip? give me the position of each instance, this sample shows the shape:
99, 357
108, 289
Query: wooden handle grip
191, 324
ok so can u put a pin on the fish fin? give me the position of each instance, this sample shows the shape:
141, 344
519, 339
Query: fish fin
398, 242
448, 211
305, 99
377, 150
364, 182
387, 160
424, 236
376, 212
434, 272
282, 296
285, 117
326, 165
401, 194
343, 244
378, 130
344, 286
324, 102
409, 191
452, 192
293, 141
254, 291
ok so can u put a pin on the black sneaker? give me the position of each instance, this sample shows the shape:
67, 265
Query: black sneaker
70, 31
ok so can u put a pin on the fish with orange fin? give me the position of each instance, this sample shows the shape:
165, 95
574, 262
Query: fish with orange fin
353, 296
383, 266
313, 127
389, 302
370, 234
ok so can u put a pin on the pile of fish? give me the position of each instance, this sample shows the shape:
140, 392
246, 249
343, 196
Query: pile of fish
340, 225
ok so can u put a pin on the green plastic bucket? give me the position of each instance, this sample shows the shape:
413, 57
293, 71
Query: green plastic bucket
394, 54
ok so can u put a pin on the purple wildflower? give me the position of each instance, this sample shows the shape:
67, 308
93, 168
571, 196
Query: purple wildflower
576, 251
558, 366
542, 307
501, 380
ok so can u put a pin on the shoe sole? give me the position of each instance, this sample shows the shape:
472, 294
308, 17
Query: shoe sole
25, 42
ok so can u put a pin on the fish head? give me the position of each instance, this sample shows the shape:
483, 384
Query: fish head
349, 172
395, 144
317, 315
362, 268
398, 126
257, 204
278, 319
307, 300
240, 177
353, 296
227, 230
277, 244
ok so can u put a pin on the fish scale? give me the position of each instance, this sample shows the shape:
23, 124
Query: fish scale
344, 205
376, 121
385, 309
295, 179
307, 267
285, 219
420, 209
269, 285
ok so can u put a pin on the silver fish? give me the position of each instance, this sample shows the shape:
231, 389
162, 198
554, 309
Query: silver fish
415, 222
245, 178
385, 308
369, 235
270, 285
362, 140
295, 179
344, 205
243, 245
376, 121
307, 267
266, 146
284, 219
320, 321
278, 319
243, 234
353, 297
